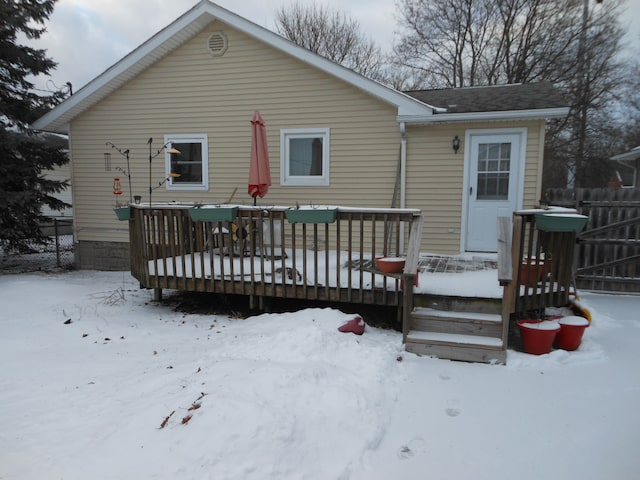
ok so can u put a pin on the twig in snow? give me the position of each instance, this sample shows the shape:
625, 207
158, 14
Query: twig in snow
166, 420
115, 298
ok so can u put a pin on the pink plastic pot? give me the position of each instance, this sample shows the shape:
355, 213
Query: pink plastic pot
538, 336
571, 331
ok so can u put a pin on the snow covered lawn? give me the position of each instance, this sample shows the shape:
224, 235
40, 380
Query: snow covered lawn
98, 382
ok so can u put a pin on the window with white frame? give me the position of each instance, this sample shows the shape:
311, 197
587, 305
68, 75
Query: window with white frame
191, 164
304, 157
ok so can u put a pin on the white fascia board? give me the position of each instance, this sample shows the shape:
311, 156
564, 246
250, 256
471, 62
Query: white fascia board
186, 27
542, 113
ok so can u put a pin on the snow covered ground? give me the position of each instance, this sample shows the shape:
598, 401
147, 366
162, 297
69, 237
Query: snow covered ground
99, 382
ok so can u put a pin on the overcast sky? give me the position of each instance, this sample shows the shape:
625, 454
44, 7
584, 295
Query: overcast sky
85, 37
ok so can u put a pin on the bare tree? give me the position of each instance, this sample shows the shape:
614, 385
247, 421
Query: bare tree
331, 34
594, 89
485, 42
457, 43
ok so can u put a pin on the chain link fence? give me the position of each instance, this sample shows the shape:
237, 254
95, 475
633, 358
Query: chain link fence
57, 254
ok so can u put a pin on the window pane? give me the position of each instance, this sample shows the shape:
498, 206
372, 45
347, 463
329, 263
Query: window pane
188, 163
505, 151
305, 156
493, 186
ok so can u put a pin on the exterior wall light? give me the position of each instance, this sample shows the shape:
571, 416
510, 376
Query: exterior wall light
455, 144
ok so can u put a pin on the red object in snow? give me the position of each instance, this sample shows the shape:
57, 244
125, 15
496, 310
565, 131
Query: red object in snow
538, 335
259, 170
571, 330
355, 325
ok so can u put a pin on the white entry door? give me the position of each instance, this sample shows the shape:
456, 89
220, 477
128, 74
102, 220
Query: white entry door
493, 188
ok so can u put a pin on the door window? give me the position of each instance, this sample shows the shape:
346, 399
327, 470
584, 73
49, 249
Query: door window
494, 163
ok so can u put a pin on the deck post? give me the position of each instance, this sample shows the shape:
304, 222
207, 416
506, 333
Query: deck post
411, 270
510, 253
265, 304
157, 294
407, 303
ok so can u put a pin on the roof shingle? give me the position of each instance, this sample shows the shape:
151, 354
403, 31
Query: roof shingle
495, 98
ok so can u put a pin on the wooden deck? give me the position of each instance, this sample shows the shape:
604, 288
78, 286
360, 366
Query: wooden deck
478, 330
260, 253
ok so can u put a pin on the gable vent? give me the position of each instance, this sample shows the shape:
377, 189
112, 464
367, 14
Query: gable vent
217, 44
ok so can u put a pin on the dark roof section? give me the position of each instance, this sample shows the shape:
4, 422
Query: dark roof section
496, 98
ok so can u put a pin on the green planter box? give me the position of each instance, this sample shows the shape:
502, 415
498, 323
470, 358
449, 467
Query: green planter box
561, 222
213, 214
123, 213
311, 215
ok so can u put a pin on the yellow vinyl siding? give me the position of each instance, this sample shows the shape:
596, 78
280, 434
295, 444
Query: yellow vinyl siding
190, 91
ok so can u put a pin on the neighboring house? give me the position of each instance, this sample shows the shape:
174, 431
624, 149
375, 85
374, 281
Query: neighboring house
197, 83
628, 171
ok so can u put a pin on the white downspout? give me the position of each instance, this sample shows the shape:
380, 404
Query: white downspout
403, 173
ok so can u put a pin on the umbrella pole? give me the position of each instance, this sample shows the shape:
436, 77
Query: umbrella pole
254, 227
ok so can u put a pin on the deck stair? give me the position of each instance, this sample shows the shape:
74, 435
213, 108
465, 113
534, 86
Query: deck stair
470, 336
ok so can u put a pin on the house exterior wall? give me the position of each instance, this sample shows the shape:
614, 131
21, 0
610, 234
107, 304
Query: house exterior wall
435, 177
192, 92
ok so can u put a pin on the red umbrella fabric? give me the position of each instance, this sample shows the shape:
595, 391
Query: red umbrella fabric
259, 170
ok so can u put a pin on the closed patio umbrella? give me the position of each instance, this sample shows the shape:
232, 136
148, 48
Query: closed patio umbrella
259, 170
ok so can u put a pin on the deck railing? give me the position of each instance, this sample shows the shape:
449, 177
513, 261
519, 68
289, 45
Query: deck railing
260, 253
536, 267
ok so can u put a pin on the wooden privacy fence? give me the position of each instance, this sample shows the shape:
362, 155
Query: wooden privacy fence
608, 250
258, 252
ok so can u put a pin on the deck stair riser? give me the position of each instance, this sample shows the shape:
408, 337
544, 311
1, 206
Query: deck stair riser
465, 323
456, 335
466, 353
458, 304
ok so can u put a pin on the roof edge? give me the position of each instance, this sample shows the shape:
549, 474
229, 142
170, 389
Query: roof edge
543, 113
167, 40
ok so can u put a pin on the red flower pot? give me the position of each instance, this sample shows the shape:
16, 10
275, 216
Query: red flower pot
534, 272
571, 330
538, 336
390, 264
